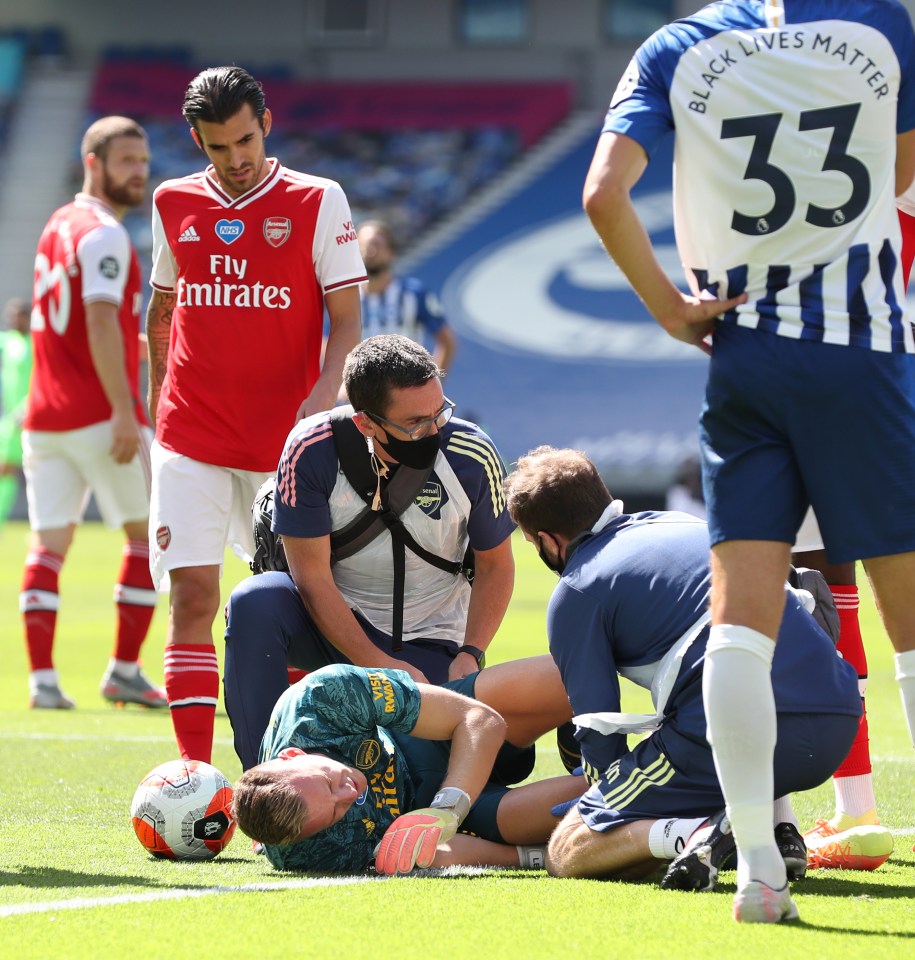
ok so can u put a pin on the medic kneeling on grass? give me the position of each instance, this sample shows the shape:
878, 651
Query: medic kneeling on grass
361, 764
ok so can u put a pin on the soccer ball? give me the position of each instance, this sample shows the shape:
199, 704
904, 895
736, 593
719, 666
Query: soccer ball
182, 810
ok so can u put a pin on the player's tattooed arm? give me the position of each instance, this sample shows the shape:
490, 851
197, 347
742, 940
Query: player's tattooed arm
158, 329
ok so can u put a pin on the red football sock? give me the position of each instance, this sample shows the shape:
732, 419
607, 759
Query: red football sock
135, 597
192, 687
851, 646
38, 603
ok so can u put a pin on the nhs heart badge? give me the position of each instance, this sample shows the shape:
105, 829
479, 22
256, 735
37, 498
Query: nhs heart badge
229, 230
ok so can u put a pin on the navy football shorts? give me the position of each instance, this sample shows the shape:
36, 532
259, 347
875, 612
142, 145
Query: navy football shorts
428, 762
789, 423
670, 774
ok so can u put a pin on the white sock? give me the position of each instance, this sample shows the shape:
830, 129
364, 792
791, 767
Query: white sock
667, 838
759, 862
855, 795
740, 711
905, 677
126, 669
532, 857
784, 813
42, 678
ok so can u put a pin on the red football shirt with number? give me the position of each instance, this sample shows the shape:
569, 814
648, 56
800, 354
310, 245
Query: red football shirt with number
84, 255
250, 274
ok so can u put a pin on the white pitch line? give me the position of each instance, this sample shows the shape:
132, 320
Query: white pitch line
179, 893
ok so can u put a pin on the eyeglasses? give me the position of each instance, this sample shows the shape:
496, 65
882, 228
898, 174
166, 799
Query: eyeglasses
423, 427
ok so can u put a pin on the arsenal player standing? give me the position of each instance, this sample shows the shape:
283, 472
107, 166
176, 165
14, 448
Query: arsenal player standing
247, 257
85, 428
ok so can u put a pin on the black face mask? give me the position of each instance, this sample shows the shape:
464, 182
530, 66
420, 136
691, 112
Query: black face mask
556, 567
417, 454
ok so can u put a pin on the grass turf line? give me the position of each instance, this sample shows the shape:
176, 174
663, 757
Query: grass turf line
66, 779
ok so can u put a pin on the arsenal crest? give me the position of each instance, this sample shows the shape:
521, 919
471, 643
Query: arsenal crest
277, 230
163, 537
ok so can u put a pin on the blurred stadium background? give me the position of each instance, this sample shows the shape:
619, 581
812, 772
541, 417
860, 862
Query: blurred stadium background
468, 124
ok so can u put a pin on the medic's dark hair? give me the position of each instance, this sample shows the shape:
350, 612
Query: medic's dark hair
385, 362
559, 491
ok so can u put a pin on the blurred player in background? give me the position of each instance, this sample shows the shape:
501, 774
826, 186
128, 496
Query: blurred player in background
789, 156
85, 428
395, 304
247, 255
685, 493
15, 370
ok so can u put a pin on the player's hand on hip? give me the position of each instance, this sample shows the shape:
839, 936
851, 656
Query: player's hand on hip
694, 319
125, 437
412, 839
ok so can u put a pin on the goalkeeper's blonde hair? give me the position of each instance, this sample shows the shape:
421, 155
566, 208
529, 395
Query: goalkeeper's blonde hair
268, 808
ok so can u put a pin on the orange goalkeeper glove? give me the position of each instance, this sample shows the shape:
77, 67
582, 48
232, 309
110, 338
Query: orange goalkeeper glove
412, 839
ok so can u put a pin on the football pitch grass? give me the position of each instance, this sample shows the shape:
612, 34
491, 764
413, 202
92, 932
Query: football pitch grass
74, 881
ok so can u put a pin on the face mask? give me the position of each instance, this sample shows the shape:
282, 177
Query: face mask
556, 567
417, 454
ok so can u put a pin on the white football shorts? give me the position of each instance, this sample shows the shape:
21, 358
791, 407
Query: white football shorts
196, 511
809, 536
63, 468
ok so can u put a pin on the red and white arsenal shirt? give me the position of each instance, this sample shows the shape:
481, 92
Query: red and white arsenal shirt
84, 255
250, 274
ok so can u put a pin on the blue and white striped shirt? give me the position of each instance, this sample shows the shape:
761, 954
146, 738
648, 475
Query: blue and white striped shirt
786, 116
405, 306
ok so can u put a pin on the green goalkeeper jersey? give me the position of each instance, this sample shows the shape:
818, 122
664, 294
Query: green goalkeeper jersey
15, 371
349, 714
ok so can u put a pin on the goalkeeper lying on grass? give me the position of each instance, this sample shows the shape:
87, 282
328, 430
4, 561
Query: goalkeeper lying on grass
361, 764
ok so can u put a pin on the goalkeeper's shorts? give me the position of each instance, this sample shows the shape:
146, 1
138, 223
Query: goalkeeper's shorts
428, 762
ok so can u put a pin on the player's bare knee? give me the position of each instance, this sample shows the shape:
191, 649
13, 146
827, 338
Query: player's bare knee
192, 599
564, 844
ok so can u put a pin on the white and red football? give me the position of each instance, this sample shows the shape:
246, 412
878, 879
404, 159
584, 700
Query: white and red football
182, 810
